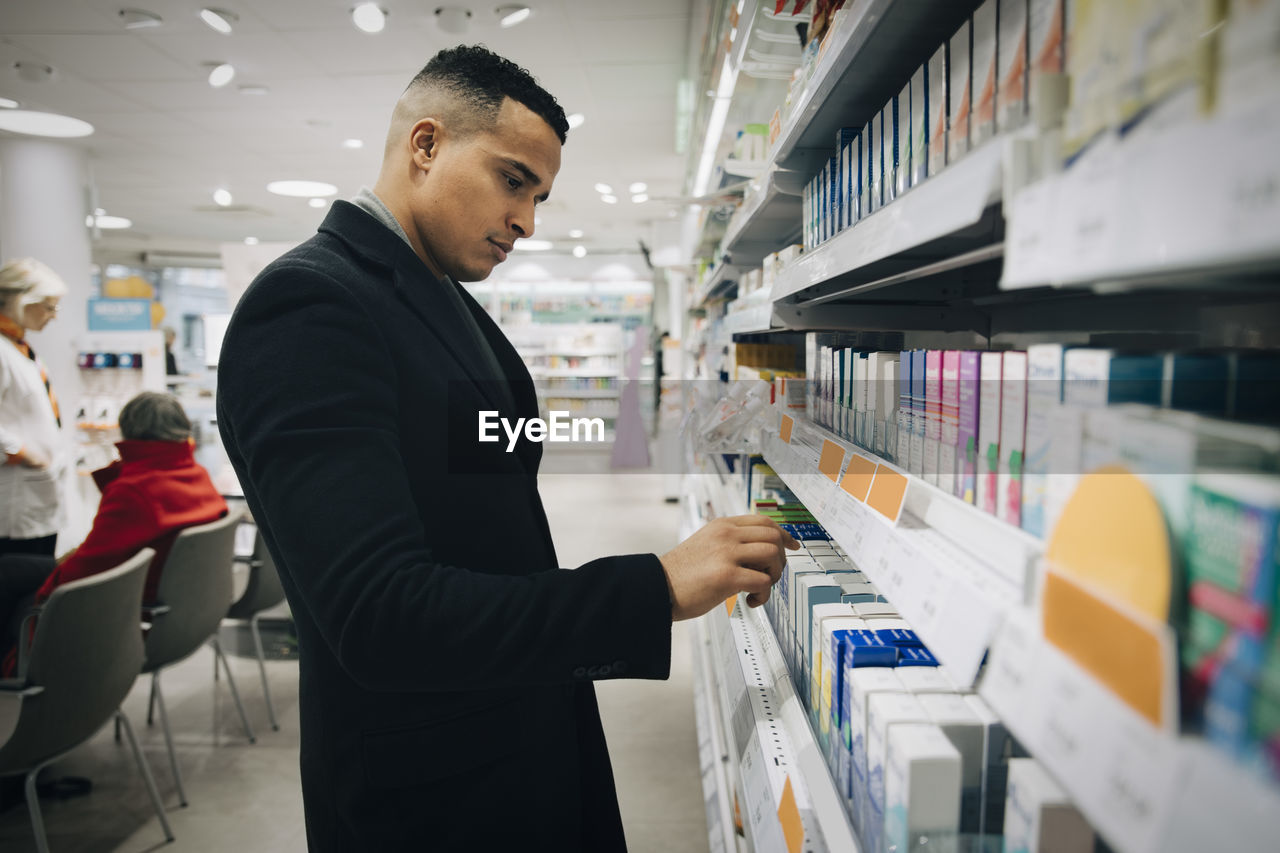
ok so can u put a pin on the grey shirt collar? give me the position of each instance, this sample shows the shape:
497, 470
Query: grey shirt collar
372, 205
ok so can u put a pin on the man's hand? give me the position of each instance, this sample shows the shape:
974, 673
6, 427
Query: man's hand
744, 553
28, 458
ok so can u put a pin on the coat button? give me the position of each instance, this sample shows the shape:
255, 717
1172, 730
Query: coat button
619, 667
605, 670
580, 672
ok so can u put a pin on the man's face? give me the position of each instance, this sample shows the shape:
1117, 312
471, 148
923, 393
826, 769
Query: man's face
478, 195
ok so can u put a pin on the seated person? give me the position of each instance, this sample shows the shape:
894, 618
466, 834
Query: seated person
154, 491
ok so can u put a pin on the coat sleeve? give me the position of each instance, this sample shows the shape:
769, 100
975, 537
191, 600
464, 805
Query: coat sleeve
10, 441
123, 526
307, 399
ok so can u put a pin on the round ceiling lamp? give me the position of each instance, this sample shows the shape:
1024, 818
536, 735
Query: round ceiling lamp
35, 123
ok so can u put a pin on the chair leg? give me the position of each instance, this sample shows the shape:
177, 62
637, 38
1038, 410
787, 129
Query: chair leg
145, 770
117, 729
151, 702
262, 669
33, 808
168, 737
235, 694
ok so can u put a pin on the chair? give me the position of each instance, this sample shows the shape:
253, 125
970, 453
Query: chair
79, 667
195, 592
262, 593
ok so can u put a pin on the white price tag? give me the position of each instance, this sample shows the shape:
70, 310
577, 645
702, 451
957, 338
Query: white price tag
964, 627
758, 805
1033, 237
1010, 683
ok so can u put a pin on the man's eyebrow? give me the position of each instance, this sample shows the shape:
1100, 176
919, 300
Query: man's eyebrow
530, 175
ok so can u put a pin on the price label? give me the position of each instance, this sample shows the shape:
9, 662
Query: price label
758, 802
1033, 235
1010, 681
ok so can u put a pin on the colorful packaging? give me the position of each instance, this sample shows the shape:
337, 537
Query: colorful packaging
1044, 397
938, 117
1099, 377
989, 430
960, 88
967, 433
950, 430
985, 72
1011, 55
1013, 426
932, 413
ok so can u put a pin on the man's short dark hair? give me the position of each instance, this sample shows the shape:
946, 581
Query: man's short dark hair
152, 416
481, 79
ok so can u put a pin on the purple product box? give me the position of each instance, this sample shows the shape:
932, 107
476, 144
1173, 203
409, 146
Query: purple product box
967, 429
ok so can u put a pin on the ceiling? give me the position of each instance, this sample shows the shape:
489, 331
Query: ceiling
165, 139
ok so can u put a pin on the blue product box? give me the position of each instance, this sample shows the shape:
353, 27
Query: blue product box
916, 656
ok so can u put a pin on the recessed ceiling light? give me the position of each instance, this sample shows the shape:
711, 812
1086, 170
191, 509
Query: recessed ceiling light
222, 197
251, 241
8, 104
453, 19
604, 188
639, 198
34, 72
579, 251
219, 19
221, 75
638, 187
534, 245
369, 17
609, 199
102, 220
317, 202
139, 19
575, 233
35, 123
575, 120
353, 143
254, 89
301, 189
512, 14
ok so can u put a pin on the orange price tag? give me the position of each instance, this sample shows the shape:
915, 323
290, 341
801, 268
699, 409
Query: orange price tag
858, 477
787, 424
789, 817
887, 492
831, 460
729, 602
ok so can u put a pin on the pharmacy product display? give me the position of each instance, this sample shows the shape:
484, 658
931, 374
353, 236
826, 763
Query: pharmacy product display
1032, 446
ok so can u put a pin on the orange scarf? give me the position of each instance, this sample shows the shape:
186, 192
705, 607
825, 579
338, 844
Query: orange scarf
13, 332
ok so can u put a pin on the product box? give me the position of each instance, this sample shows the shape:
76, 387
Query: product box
998, 748
960, 88
888, 150
856, 174
818, 595
845, 137
1254, 392
885, 711
985, 72
859, 686
870, 148
932, 413
1099, 61
833, 202
826, 663
902, 174
970, 393
939, 114
874, 400
919, 416
950, 428
1012, 57
1046, 29
859, 397
887, 389
925, 679
1039, 816
1044, 398
905, 425
820, 199
875, 170
919, 126
923, 780
989, 430
1098, 377
892, 152
1196, 382
876, 610
967, 734
1013, 426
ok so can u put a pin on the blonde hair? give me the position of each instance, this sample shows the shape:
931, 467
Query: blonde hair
31, 281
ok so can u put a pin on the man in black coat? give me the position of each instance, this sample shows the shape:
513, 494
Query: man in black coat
446, 659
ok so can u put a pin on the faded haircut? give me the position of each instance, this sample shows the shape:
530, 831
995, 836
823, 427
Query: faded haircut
152, 416
477, 80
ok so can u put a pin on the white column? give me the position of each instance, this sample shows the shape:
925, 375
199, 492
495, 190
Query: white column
44, 193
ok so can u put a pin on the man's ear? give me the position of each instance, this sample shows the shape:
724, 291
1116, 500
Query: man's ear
425, 138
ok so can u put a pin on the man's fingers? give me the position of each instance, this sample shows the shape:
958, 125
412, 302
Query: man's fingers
749, 522
761, 556
754, 582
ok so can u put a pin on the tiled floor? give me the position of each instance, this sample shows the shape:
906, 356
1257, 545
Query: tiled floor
246, 798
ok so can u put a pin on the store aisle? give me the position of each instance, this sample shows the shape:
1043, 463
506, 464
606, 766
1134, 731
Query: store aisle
246, 797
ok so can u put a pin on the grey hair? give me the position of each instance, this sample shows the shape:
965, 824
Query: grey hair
31, 280
152, 416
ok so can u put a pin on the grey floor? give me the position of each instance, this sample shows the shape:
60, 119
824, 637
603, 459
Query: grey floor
246, 798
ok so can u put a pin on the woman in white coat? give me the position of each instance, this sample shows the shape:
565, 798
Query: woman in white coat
31, 504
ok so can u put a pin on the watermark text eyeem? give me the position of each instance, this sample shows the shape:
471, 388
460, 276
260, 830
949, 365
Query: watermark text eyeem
559, 428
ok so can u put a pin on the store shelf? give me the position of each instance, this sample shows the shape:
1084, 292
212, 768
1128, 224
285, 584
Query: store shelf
1146, 789
950, 569
768, 220
1115, 216
714, 753
770, 741
718, 283
578, 394
577, 373
929, 222
868, 58
757, 319
749, 169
